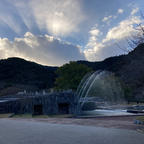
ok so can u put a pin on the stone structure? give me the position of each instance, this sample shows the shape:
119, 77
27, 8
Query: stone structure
36, 104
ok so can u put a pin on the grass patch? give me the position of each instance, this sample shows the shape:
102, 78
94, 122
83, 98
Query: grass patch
22, 116
41, 116
6, 115
141, 118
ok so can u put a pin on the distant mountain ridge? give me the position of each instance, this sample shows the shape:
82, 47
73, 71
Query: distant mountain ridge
129, 68
26, 74
19, 72
124, 66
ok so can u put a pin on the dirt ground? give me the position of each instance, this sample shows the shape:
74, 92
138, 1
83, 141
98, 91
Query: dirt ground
122, 122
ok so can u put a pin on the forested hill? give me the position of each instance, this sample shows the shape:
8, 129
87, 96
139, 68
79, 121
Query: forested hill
21, 73
17, 71
113, 64
130, 68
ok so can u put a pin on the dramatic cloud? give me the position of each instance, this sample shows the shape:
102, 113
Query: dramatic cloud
9, 19
99, 49
70, 20
24, 10
57, 17
124, 29
102, 51
42, 49
93, 45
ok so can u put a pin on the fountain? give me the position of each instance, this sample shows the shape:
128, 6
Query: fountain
100, 93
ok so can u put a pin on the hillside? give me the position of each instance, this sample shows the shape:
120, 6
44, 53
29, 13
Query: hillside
132, 73
113, 64
129, 68
17, 72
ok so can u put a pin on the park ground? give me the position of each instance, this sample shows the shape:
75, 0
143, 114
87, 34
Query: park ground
112, 130
119, 122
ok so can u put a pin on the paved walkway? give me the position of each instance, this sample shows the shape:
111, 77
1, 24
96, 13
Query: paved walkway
29, 132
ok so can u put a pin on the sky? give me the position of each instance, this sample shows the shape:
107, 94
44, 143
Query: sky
54, 32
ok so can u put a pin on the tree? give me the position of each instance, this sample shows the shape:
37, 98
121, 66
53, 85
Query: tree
70, 75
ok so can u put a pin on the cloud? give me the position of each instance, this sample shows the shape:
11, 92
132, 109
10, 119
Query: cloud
107, 18
59, 17
99, 49
24, 10
94, 32
134, 11
43, 49
102, 51
110, 17
10, 21
120, 11
7, 17
56, 17
93, 39
93, 45
124, 29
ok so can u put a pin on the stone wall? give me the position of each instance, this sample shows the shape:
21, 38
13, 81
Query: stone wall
53, 103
